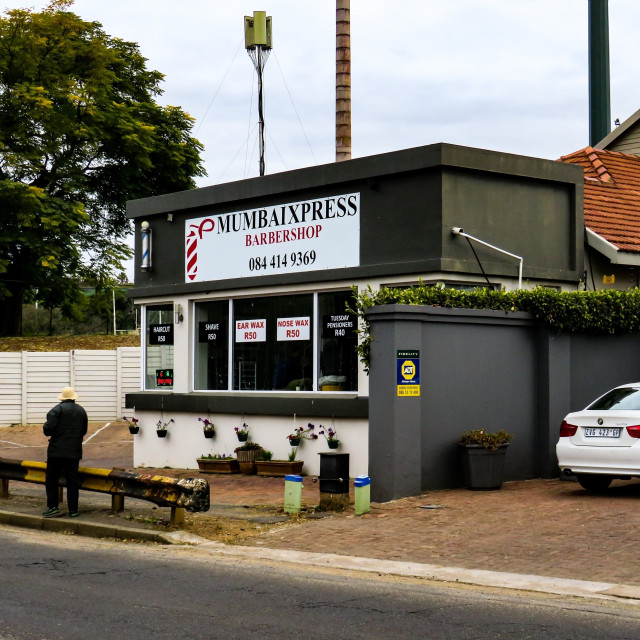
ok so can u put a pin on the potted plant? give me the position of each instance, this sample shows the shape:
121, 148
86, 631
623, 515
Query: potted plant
242, 431
300, 433
161, 427
331, 436
247, 455
208, 428
266, 466
218, 463
483, 455
134, 427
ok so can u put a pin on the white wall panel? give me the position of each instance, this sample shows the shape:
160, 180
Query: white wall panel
30, 382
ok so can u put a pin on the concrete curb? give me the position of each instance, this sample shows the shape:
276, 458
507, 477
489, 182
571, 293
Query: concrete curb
475, 577
65, 524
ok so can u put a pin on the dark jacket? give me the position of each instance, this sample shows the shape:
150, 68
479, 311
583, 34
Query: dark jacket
66, 425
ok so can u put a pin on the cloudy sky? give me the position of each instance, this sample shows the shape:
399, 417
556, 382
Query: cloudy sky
507, 75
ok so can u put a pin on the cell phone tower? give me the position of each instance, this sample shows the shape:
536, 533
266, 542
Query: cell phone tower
257, 42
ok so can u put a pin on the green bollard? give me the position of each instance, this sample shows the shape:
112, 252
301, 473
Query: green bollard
292, 493
362, 486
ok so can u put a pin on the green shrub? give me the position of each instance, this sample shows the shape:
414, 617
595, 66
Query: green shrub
596, 312
485, 439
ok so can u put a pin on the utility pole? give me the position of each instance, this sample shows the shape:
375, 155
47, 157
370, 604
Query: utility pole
257, 42
599, 74
343, 80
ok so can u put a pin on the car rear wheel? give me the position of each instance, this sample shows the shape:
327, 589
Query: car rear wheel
593, 482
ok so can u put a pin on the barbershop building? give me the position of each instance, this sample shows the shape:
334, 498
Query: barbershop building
244, 287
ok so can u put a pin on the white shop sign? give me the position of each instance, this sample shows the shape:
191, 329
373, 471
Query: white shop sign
251, 330
286, 238
294, 329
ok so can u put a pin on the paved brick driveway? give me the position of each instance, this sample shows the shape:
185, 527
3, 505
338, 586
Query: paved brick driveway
541, 527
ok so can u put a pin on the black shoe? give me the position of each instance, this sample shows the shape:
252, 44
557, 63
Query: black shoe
73, 514
51, 512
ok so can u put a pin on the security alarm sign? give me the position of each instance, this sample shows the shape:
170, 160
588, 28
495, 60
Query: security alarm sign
408, 373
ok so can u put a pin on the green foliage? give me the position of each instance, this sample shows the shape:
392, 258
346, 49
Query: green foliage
265, 455
80, 134
603, 312
248, 446
486, 439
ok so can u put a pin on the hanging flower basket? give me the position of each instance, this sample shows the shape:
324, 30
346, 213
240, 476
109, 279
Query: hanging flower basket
242, 431
161, 427
208, 428
133, 424
330, 435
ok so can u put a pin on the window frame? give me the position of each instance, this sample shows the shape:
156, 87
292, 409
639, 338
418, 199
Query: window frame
315, 337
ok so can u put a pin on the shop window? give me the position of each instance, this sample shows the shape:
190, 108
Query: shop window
159, 347
212, 345
273, 343
338, 361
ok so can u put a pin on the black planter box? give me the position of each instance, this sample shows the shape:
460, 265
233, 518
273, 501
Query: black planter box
483, 468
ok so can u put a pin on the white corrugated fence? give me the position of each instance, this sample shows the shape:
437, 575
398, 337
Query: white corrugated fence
30, 382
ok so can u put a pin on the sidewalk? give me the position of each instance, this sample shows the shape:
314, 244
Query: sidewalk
534, 531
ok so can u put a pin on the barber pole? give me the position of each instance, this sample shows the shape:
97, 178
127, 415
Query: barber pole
146, 246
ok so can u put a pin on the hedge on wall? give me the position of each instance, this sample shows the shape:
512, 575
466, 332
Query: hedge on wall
601, 312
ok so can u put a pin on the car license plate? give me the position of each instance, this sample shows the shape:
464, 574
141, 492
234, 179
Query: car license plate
612, 432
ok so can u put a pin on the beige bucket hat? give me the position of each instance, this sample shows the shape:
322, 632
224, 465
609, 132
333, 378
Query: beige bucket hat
68, 394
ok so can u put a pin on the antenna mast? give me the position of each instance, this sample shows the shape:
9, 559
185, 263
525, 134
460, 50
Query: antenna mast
257, 42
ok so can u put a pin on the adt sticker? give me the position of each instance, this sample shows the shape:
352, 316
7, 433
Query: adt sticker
408, 373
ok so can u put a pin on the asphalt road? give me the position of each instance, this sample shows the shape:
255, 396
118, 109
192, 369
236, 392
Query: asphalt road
63, 587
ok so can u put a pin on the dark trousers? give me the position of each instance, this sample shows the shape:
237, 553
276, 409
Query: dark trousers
69, 468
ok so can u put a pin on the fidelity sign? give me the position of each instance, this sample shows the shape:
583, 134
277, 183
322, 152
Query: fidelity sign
298, 236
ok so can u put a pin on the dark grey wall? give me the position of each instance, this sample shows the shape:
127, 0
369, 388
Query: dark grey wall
479, 369
410, 199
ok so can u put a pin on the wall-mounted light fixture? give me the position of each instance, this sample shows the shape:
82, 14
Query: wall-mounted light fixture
178, 313
145, 264
459, 231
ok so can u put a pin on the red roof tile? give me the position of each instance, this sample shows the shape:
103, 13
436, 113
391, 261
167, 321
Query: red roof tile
611, 195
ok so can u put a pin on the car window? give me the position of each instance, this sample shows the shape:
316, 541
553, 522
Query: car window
626, 398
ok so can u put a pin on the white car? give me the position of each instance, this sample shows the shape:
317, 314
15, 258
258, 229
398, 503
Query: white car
602, 442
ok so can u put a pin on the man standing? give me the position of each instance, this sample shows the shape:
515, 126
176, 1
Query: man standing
66, 425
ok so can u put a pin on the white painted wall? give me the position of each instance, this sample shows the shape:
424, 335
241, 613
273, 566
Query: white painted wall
185, 441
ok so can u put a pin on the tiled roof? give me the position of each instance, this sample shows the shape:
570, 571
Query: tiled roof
611, 195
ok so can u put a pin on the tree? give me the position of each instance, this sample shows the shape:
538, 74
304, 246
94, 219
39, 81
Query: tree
80, 134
